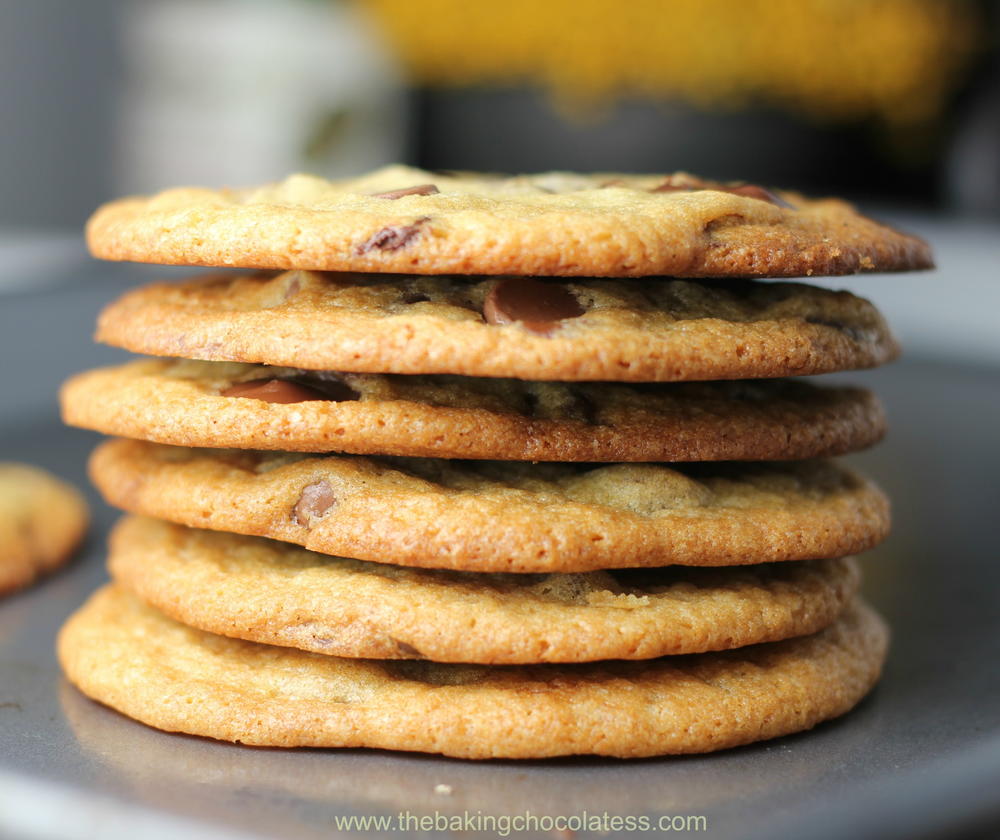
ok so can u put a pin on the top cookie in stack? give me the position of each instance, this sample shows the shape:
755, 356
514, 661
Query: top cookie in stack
554, 225
599, 321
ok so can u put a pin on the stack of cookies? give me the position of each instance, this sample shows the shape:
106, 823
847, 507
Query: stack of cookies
486, 466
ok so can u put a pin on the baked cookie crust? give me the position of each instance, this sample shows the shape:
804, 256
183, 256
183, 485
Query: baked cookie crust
278, 594
650, 331
552, 224
42, 521
488, 516
132, 658
193, 404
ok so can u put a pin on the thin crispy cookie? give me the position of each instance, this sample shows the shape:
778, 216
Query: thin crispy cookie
553, 224
201, 404
490, 516
654, 331
278, 594
167, 675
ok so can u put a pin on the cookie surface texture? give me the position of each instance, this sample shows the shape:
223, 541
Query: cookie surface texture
492, 516
655, 330
275, 593
218, 404
553, 224
134, 659
42, 520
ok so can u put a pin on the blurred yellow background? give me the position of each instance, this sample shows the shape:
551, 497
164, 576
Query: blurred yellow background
893, 60
894, 104
895, 101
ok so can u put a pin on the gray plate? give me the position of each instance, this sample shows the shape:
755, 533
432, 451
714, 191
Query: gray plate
919, 758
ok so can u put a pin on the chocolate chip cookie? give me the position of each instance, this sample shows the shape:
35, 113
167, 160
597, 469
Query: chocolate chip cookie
489, 516
174, 677
219, 404
42, 521
278, 594
613, 330
400, 219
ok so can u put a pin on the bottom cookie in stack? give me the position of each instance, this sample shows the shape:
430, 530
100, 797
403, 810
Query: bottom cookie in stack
169, 675
252, 640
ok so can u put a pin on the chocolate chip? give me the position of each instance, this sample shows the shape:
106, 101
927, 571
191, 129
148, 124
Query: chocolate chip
753, 191
420, 189
824, 322
414, 297
313, 504
330, 385
293, 390
847, 329
584, 407
432, 673
668, 187
273, 391
687, 183
392, 238
293, 288
684, 183
407, 651
538, 306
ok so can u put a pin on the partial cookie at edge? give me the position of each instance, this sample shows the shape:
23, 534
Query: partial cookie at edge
42, 521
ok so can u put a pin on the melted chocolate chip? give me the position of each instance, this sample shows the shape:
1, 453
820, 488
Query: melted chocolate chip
685, 183
676, 183
407, 651
273, 391
314, 503
753, 191
585, 407
847, 329
538, 306
293, 390
293, 288
671, 188
420, 189
329, 383
392, 238
332, 388
414, 297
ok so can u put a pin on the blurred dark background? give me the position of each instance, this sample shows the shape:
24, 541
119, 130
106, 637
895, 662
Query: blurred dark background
895, 102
